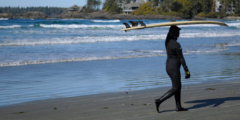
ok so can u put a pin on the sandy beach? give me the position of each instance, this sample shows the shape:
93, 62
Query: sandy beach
216, 100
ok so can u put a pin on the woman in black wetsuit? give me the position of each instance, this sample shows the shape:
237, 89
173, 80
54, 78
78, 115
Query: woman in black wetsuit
174, 60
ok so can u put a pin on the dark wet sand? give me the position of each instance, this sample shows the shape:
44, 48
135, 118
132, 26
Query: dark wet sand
219, 100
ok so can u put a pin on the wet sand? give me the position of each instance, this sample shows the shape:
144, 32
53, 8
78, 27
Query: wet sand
217, 100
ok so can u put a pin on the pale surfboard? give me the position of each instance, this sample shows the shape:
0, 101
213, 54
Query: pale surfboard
173, 23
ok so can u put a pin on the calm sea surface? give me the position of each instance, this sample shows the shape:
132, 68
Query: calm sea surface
48, 59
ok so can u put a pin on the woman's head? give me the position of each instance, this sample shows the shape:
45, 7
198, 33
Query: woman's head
174, 32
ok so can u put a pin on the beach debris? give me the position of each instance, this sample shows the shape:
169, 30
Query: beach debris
132, 104
19, 113
126, 92
146, 104
210, 89
123, 104
55, 108
105, 107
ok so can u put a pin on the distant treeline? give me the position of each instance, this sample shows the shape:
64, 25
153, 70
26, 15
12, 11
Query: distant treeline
181, 8
21, 10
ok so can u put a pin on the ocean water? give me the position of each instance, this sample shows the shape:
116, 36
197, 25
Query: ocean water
48, 59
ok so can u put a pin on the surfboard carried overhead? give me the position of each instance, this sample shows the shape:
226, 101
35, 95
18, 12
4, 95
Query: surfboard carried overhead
135, 27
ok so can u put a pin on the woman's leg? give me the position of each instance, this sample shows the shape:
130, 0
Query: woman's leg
178, 85
175, 75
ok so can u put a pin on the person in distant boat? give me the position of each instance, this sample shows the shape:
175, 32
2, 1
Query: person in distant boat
174, 61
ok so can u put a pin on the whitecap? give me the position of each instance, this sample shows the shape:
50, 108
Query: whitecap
81, 26
19, 63
237, 25
204, 51
87, 39
11, 26
4, 18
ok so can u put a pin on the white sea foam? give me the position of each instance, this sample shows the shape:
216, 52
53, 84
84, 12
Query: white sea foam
146, 51
122, 26
11, 26
209, 34
87, 39
80, 26
30, 25
4, 18
204, 51
74, 60
106, 20
150, 53
78, 40
237, 25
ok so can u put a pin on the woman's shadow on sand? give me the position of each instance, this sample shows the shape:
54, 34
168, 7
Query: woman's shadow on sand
207, 102
211, 102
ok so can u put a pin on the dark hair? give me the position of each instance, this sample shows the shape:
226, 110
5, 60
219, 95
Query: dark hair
172, 34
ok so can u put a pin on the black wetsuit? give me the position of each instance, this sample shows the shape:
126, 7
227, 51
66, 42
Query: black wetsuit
174, 60
173, 64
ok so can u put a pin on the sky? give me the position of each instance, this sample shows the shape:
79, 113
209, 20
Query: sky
37, 3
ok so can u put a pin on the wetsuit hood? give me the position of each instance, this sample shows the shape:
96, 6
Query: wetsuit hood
173, 34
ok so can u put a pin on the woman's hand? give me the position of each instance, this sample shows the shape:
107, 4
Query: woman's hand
187, 73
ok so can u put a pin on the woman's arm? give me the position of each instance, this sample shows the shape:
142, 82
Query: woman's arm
182, 60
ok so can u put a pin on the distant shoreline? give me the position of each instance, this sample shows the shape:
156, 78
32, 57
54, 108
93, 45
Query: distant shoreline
101, 15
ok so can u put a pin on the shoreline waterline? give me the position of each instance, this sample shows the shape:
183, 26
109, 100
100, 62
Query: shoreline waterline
162, 88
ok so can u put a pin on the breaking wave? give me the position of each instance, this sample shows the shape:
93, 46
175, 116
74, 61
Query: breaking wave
133, 54
75, 60
11, 26
4, 18
237, 25
80, 26
118, 26
78, 40
87, 39
209, 34
204, 51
